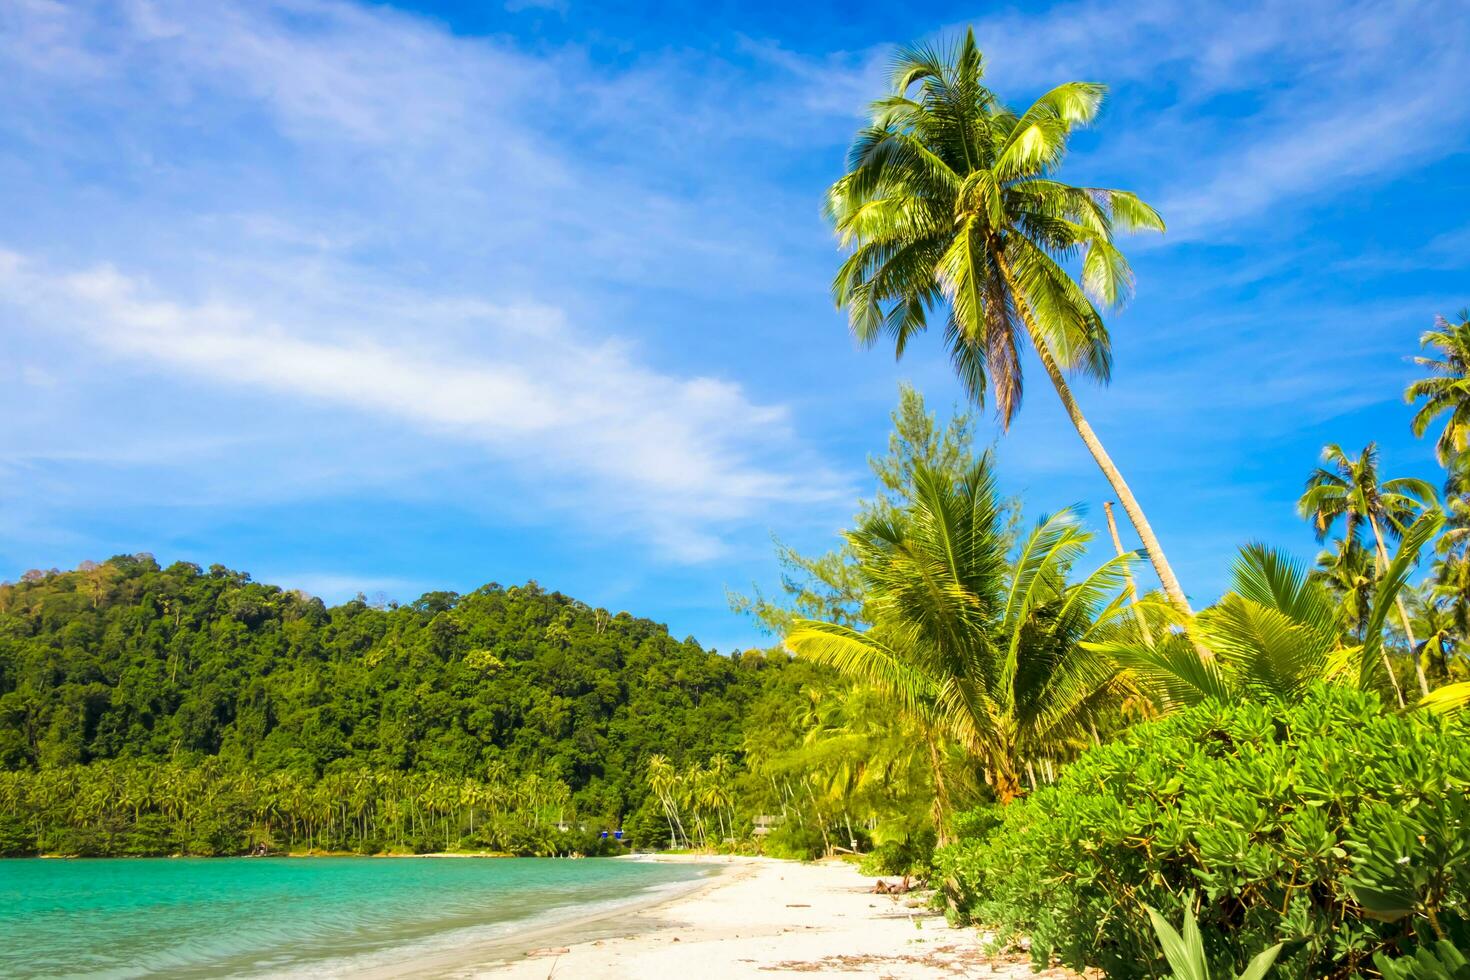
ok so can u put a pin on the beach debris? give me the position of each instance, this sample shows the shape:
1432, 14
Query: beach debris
550, 951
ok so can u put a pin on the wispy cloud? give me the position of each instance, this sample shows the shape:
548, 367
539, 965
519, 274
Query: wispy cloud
413, 231
676, 453
339, 587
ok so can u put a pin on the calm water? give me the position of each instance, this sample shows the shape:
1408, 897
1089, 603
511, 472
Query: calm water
279, 916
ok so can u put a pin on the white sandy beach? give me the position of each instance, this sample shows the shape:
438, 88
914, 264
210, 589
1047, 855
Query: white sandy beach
762, 916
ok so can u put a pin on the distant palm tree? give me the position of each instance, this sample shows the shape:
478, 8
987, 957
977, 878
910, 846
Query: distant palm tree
1349, 571
969, 643
1456, 537
663, 780
1447, 389
950, 205
716, 792
1438, 619
1348, 488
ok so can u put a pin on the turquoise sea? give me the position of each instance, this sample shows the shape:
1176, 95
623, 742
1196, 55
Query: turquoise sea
198, 917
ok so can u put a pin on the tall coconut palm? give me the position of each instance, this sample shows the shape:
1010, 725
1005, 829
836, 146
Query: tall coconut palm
968, 642
1447, 389
1454, 544
1348, 488
951, 207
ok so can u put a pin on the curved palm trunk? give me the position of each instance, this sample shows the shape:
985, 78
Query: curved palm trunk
1398, 601
1094, 445
678, 822
1148, 638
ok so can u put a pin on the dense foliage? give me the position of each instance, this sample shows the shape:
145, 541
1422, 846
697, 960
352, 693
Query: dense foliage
968, 644
1329, 826
128, 807
521, 700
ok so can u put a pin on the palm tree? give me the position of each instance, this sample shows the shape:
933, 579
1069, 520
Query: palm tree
718, 794
664, 782
1276, 633
967, 643
1349, 572
950, 205
1349, 488
1455, 541
1447, 389
693, 784
1438, 618
1452, 589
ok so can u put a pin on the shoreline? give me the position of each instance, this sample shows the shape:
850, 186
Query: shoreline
757, 916
432, 929
531, 944
732, 917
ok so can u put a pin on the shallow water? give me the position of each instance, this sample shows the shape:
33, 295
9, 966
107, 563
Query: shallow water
195, 917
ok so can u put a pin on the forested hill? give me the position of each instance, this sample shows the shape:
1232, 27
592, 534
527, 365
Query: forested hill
127, 660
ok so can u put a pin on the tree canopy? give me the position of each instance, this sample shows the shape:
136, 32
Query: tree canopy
125, 660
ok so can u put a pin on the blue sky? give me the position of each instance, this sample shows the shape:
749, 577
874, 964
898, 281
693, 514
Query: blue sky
391, 298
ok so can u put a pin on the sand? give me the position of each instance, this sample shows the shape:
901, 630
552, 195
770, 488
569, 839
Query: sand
761, 917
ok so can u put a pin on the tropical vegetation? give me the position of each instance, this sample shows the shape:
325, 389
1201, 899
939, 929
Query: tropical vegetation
1323, 823
1174, 760
958, 690
158, 710
969, 644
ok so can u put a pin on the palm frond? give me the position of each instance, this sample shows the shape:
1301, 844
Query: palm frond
865, 658
1450, 699
1271, 578
1038, 140
1172, 671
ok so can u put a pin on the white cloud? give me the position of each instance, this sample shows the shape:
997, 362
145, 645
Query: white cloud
260, 232
679, 455
335, 587
326, 69
313, 201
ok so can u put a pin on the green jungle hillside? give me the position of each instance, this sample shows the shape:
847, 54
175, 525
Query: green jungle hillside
146, 693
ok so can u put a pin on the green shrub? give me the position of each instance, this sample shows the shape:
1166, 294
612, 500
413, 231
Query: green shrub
214, 836
150, 836
911, 856
16, 836
1440, 961
647, 828
1328, 826
76, 842
796, 841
